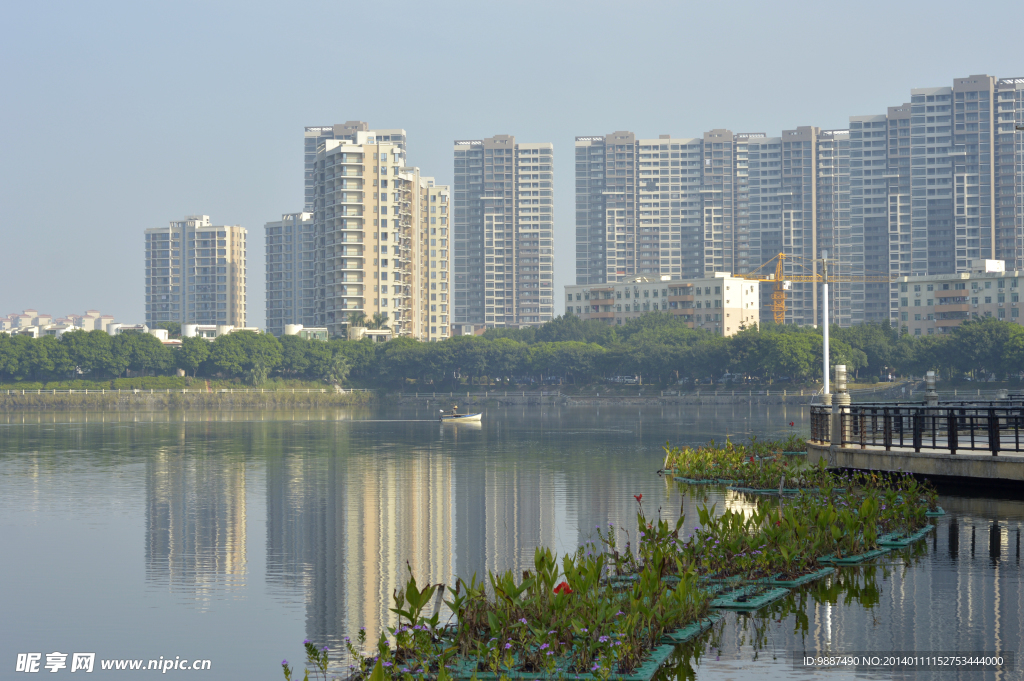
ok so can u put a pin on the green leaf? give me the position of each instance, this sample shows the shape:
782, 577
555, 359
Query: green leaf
378, 672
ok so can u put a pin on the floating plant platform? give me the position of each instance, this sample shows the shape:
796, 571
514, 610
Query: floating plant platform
853, 560
803, 579
751, 597
900, 539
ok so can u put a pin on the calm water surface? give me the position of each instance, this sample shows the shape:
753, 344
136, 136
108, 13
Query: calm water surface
234, 535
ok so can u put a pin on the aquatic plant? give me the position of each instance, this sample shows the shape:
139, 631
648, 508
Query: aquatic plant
562, 617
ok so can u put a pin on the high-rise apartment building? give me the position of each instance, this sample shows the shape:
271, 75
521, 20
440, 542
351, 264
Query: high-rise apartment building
936, 183
503, 232
289, 271
382, 238
195, 273
925, 188
317, 135
661, 207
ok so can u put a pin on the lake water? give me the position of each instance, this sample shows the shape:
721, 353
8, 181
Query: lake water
232, 536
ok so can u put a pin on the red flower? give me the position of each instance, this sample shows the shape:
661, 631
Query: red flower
563, 588
638, 497
790, 423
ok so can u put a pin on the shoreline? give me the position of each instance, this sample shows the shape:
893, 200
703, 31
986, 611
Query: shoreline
162, 401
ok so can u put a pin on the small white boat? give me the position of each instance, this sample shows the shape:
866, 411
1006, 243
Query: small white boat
453, 417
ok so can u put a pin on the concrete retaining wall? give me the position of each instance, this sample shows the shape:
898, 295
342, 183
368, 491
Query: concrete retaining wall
980, 467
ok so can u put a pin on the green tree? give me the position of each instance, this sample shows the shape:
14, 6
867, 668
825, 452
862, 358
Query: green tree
379, 321
506, 357
11, 357
120, 357
320, 358
89, 351
469, 356
399, 359
173, 328
257, 375
294, 355
191, 354
981, 346
228, 355
336, 370
148, 354
790, 354
356, 319
361, 356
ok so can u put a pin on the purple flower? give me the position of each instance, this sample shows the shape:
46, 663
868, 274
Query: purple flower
284, 663
543, 646
507, 646
305, 642
523, 620
387, 664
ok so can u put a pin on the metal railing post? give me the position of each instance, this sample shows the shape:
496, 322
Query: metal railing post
887, 426
993, 432
917, 417
952, 441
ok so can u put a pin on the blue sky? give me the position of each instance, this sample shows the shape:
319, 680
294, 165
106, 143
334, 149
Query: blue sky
118, 116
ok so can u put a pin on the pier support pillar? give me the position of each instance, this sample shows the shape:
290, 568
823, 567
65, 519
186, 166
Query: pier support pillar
931, 397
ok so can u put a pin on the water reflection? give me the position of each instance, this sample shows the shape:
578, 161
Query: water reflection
195, 521
348, 497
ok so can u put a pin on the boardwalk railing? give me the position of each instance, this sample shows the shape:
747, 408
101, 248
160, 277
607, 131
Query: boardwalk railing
951, 427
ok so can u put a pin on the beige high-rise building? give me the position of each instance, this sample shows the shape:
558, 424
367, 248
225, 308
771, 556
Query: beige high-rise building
195, 273
504, 207
382, 234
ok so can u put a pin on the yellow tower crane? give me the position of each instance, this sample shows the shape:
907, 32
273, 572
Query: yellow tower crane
783, 281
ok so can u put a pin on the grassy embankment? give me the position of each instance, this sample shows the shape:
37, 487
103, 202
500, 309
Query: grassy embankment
132, 393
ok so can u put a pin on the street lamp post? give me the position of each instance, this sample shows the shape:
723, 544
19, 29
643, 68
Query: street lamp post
826, 396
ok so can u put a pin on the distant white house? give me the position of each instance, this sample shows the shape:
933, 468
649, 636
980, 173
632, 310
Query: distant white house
376, 335
117, 328
307, 332
212, 331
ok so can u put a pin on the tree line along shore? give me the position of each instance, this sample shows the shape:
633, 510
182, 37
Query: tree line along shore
656, 348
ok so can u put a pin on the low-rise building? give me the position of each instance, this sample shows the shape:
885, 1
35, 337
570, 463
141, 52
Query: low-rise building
211, 331
307, 332
117, 329
92, 320
722, 303
356, 333
938, 303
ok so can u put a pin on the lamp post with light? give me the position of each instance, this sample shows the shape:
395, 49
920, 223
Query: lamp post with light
826, 395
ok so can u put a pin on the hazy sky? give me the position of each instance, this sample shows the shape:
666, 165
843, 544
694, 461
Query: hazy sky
119, 116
